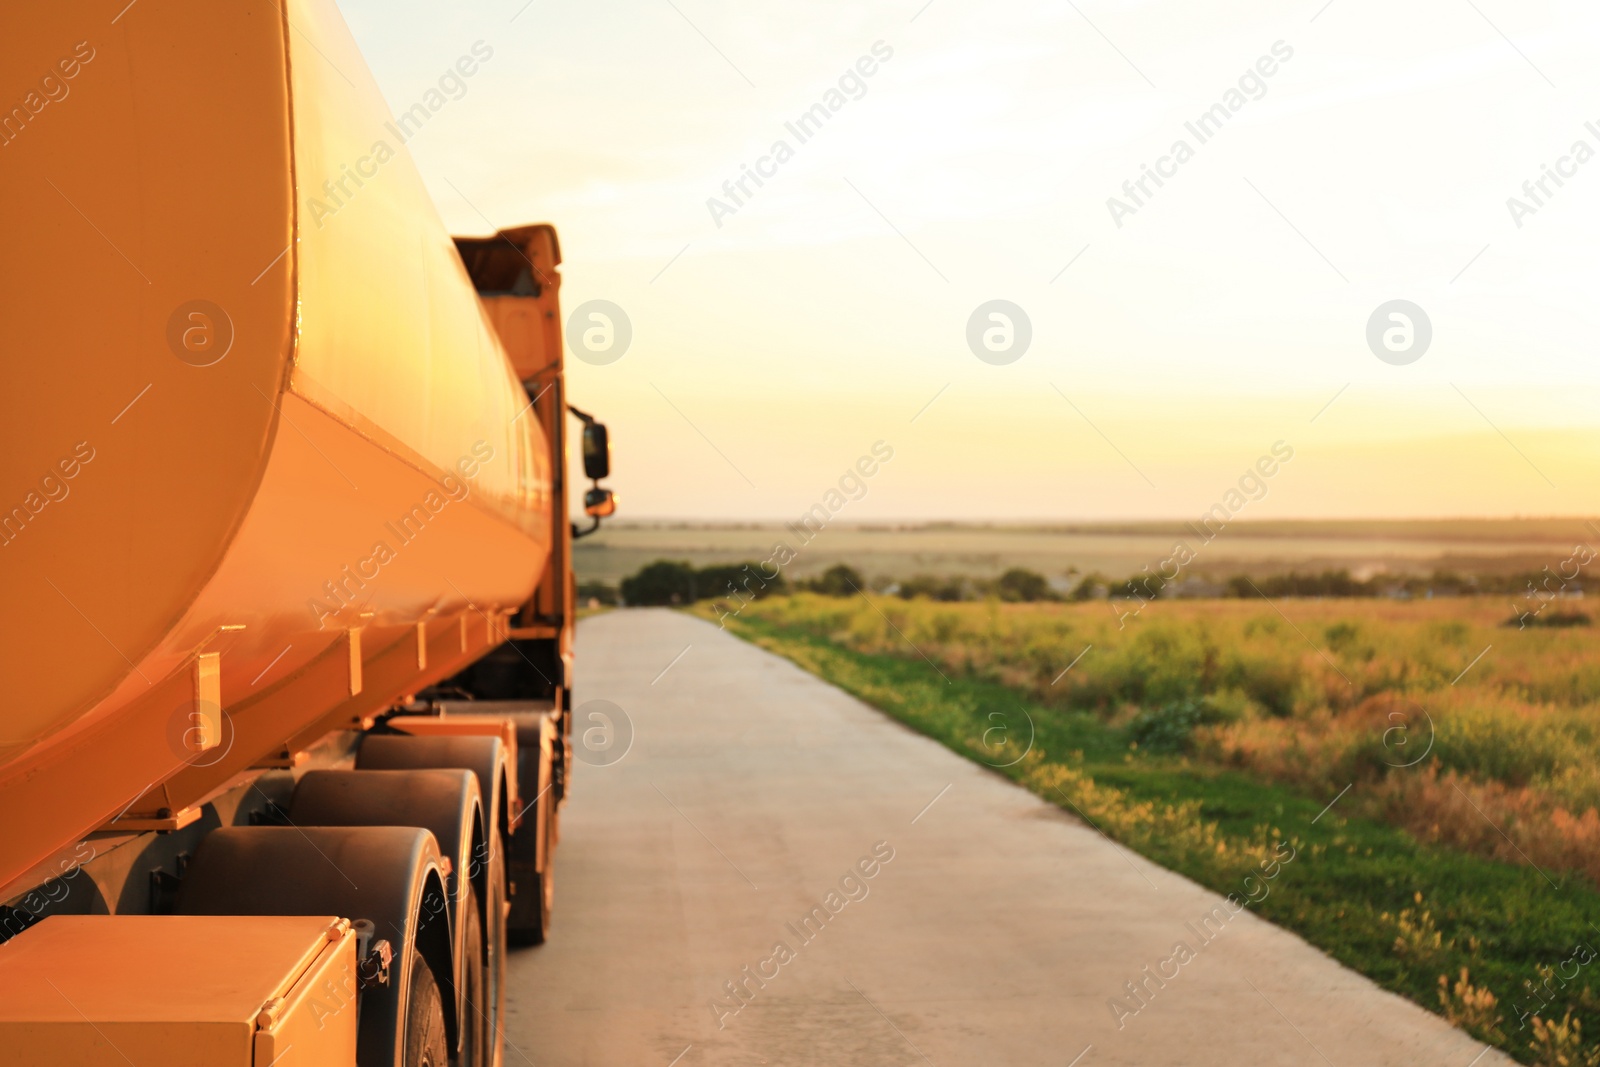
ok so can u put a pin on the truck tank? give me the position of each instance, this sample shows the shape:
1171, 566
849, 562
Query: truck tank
267, 465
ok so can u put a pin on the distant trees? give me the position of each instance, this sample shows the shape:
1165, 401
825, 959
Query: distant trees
746, 580
1091, 587
1328, 583
841, 579
599, 592
1019, 585
668, 581
663, 582
680, 582
933, 587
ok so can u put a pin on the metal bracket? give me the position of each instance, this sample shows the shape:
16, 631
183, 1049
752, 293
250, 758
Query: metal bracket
164, 891
279, 761
164, 821
373, 970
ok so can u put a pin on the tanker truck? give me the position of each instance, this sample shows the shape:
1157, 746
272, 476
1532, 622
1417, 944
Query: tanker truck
286, 547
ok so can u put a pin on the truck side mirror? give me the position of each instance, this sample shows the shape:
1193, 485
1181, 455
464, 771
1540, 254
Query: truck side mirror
598, 503
596, 451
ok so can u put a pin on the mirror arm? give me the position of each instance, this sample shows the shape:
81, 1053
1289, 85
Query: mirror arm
578, 531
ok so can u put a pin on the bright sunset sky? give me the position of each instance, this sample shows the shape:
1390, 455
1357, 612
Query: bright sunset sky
1224, 315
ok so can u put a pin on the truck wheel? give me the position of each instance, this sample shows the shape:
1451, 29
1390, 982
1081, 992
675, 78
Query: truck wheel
534, 898
392, 876
530, 907
447, 803
477, 1021
485, 758
427, 1045
547, 895
495, 962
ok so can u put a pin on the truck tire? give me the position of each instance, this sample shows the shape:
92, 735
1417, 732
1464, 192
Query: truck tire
485, 757
427, 1044
530, 852
444, 802
540, 776
447, 803
529, 922
392, 876
477, 1021
495, 957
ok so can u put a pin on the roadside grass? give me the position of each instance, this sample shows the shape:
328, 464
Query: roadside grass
1500, 948
1503, 723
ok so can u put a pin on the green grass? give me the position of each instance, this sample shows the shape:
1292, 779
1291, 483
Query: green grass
1351, 890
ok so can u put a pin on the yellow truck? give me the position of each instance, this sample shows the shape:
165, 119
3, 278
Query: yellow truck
285, 543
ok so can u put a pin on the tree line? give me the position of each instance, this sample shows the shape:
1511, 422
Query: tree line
668, 582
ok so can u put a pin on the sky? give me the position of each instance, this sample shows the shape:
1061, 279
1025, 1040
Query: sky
1365, 153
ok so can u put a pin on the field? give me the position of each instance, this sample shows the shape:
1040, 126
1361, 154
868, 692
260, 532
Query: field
899, 551
1434, 772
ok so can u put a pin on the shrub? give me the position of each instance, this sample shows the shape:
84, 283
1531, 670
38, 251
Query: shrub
1473, 1008
1092, 587
841, 579
1170, 728
1556, 620
1019, 585
663, 582
933, 587
1560, 1044
599, 591
677, 582
746, 581
1328, 583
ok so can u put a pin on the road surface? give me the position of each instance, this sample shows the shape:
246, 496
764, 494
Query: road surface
994, 929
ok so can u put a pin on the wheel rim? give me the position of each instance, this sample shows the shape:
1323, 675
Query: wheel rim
426, 1043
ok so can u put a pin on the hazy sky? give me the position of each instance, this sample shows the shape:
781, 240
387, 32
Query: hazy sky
1172, 345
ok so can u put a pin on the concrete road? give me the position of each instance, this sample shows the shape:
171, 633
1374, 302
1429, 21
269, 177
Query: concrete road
994, 929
